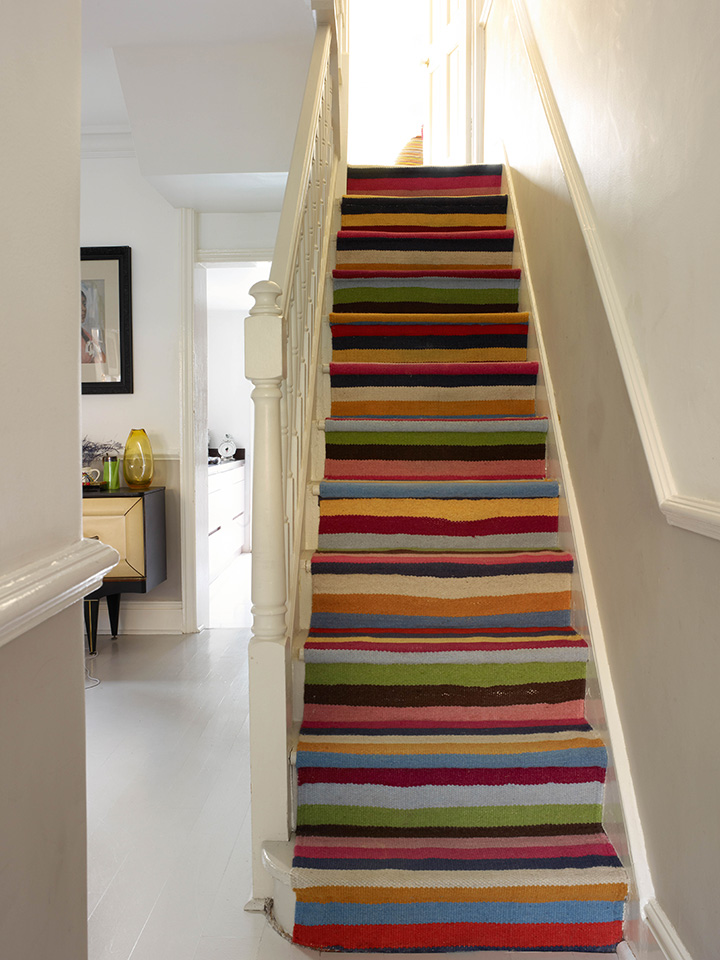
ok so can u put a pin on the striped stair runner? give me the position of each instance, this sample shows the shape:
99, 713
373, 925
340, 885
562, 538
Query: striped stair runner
450, 790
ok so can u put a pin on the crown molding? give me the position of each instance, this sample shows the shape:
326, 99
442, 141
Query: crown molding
106, 143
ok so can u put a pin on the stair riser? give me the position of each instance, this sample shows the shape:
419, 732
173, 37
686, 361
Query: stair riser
424, 214
400, 518
397, 452
440, 592
402, 180
427, 390
432, 296
427, 343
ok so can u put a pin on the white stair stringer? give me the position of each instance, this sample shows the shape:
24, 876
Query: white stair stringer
277, 857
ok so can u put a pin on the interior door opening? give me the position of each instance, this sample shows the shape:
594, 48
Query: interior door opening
230, 424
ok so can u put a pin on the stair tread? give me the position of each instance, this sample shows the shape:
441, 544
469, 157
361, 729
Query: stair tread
403, 180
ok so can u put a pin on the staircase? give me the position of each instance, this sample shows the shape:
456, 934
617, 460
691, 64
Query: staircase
449, 788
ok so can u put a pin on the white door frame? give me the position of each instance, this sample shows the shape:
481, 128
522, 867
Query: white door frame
194, 414
193, 430
472, 43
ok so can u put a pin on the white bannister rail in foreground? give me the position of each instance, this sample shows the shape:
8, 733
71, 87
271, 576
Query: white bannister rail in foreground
282, 345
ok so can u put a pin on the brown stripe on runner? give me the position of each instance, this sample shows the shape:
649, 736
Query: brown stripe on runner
534, 830
443, 695
421, 306
447, 451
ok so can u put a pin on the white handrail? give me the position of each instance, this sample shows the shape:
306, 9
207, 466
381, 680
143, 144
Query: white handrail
282, 346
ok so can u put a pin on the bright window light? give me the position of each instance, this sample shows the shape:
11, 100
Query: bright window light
388, 99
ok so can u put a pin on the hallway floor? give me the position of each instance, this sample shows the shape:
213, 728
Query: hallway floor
168, 804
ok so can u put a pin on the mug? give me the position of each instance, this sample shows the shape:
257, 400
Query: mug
90, 476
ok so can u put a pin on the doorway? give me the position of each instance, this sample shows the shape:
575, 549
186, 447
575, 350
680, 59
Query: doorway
230, 418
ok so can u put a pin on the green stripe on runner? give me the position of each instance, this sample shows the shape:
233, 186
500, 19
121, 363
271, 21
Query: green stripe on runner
464, 674
424, 295
515, 816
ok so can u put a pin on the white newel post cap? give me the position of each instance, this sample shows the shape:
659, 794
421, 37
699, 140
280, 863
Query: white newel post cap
264, 335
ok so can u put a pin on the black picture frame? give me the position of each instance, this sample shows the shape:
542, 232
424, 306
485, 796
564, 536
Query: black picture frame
106, 351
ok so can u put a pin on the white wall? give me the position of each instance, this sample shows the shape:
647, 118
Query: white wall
42, 748
639, 99
616, 77
119, 207
238, 231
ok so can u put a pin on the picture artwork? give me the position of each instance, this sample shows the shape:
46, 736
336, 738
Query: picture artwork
106, 320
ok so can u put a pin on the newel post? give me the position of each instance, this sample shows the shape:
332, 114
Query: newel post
269, 663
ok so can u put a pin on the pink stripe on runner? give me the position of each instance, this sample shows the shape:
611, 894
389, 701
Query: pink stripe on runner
358, 559
337, 714
434, 184
434, 470
471, 853
525, 367
389, 647
474, 191
563, 841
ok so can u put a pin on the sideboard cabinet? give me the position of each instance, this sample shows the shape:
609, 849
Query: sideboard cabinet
133, 522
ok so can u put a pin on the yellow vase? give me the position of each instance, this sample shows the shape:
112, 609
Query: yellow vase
138, 463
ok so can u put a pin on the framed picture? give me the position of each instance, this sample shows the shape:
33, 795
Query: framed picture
106, 320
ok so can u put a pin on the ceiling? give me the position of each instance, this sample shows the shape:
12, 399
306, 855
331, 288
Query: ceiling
205, 95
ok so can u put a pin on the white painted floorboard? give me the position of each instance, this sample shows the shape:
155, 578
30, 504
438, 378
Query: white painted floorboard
168, 802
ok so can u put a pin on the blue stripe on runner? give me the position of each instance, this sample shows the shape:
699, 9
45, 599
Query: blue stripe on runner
446, 796
586, 757
564, 911
549, 618
473, 490
460, 425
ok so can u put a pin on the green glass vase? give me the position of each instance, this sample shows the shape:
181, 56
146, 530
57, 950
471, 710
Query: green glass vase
138, 463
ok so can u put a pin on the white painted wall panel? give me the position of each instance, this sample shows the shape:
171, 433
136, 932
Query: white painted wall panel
42, 749
656, 585
639, 98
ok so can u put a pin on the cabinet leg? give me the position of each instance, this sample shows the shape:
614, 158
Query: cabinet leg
113, 602
91, 609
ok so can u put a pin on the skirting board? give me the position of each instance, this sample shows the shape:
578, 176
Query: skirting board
664, 932
144, 617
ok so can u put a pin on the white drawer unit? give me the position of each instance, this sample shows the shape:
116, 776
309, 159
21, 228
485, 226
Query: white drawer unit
226, 514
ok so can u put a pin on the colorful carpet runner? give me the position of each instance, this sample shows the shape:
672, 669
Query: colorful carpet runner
450, 790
